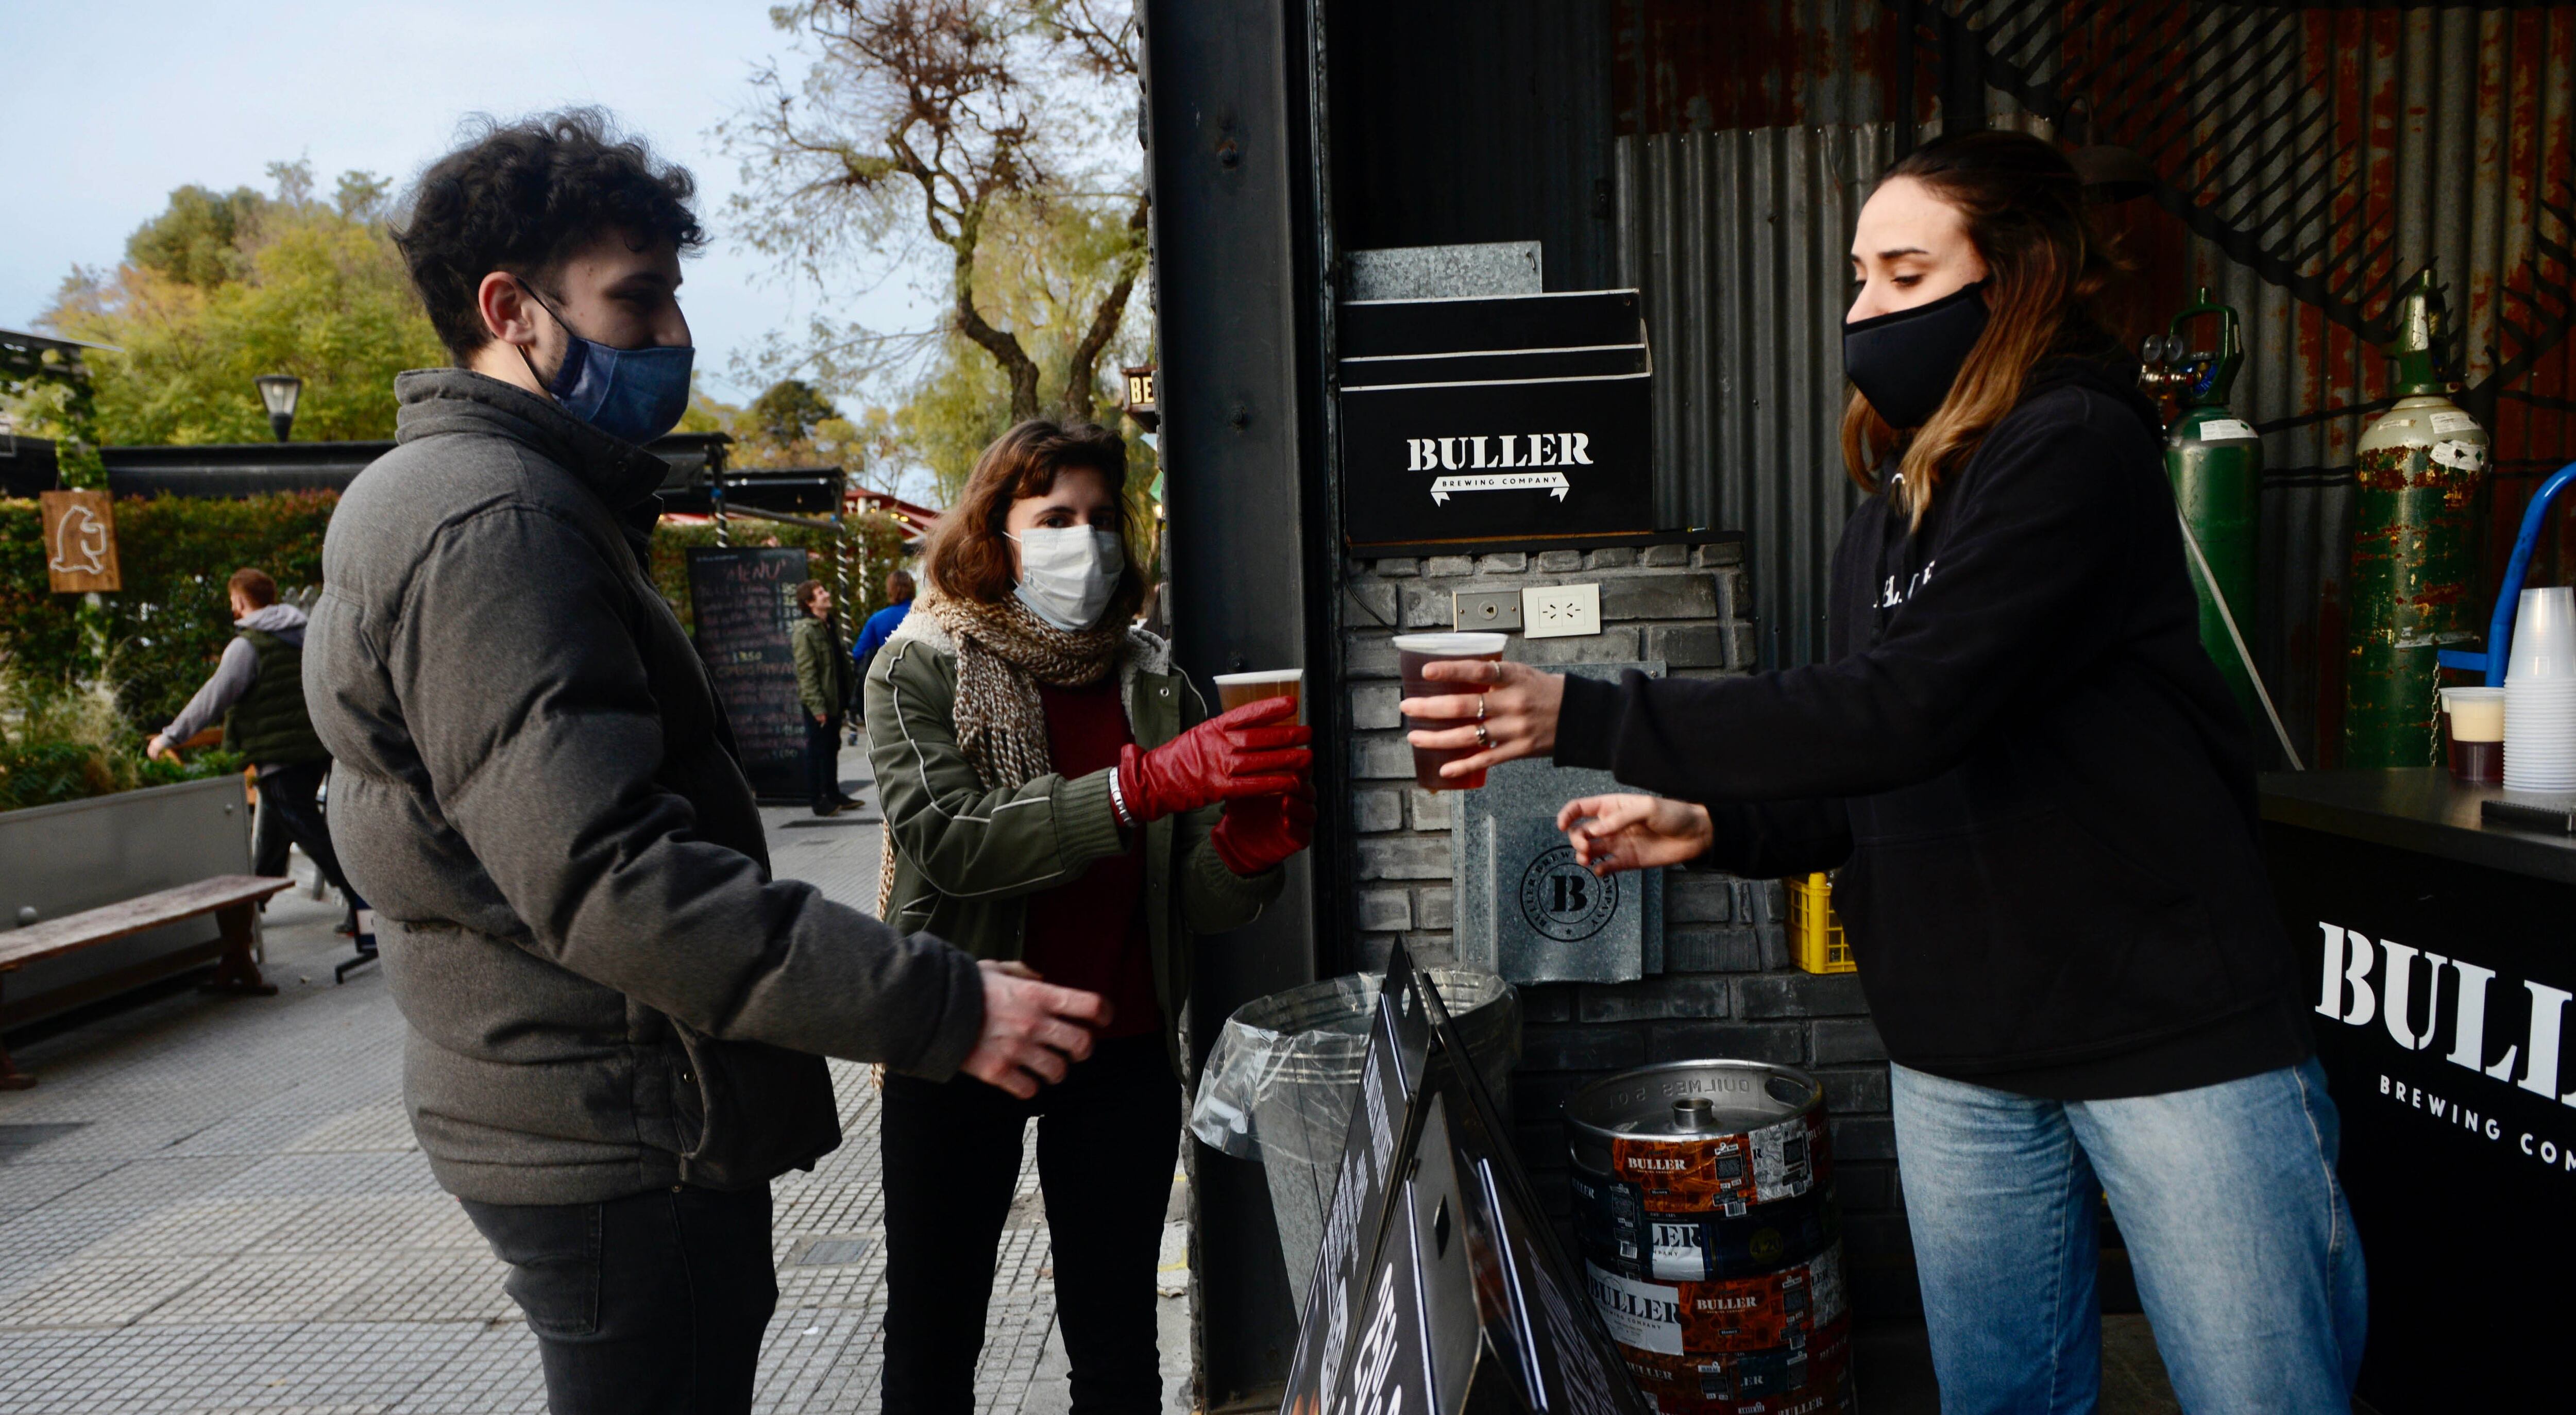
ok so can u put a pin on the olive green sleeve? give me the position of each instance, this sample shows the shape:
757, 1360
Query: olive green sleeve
813, 673
966, 841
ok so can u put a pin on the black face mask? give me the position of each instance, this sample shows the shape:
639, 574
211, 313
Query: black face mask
1904, 363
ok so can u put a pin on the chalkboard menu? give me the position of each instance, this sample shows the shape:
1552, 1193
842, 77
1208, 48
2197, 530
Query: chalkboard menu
1438, 1288
745, 607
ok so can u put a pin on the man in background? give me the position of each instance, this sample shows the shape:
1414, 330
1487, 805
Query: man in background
822, 687
882, 624
257, 693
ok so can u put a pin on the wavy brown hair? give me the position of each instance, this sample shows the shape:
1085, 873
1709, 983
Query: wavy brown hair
2045, 269
969, 557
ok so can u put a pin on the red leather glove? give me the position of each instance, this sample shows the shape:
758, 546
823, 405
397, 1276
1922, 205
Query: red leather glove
1251, 751
1258, 832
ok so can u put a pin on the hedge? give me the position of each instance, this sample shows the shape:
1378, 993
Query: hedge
158, 639
48, 772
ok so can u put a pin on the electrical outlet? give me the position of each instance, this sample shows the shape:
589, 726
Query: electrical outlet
1561, 611
1485, 609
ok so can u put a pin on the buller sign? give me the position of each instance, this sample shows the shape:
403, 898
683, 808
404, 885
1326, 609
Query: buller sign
1522, 418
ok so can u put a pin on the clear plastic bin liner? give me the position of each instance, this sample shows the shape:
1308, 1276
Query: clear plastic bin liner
1279, 1085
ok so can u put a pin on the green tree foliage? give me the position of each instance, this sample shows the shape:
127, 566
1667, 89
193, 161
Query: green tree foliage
222, 287
791, 424
790, 410
199, 239
47, 393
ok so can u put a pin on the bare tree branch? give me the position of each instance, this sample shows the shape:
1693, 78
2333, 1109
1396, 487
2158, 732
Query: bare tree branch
1082, 377
977, 110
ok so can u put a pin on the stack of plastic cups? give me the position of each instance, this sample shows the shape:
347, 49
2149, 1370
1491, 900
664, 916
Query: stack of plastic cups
2540, 694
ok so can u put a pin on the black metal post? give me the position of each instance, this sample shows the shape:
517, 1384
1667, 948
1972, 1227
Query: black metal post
1226, 95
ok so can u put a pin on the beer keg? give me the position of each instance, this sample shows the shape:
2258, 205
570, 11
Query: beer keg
1703, 1204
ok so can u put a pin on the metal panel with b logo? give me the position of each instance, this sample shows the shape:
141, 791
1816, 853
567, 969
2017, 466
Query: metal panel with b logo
1525, 909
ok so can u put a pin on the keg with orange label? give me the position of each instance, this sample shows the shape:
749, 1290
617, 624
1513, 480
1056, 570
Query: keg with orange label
1704, 1207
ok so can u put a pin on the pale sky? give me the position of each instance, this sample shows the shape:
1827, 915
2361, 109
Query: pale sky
110, 104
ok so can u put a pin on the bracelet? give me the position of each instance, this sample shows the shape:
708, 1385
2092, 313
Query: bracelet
1118, 801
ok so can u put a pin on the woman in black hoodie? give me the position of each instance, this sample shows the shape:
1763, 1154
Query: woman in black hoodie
2041, 798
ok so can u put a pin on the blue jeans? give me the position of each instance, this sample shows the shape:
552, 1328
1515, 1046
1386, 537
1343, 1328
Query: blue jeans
2237, 1229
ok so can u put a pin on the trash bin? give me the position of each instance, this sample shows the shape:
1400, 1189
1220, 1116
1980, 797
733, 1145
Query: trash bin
1279, 1086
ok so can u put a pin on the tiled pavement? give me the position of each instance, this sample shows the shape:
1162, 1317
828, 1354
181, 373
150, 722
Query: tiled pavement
216, 1205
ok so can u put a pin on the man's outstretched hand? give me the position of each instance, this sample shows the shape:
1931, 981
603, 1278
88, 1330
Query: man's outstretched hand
1033, 1031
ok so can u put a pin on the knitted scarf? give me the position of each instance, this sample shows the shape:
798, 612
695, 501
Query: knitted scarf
1003, 653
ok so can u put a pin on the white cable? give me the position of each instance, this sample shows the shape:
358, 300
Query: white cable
2218, 598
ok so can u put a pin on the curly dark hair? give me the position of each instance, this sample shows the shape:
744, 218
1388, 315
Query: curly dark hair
523, 197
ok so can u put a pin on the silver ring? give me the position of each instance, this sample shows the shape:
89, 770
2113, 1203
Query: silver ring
1483, 739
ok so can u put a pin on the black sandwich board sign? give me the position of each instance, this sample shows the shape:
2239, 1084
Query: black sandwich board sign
1521, 418
743, 599
1439, 1289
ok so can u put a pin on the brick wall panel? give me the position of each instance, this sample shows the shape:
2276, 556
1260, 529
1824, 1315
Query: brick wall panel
1865, 1186
1855, 1092
1847, 1039
1864, 1137
1697, 897
1574, 1047
1373, 811
1651, 998
1782, 1043
1801, 995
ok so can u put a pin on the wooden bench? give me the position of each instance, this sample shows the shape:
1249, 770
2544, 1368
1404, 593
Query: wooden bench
234, 900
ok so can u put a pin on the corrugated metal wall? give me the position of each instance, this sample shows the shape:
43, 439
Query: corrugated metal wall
2310, 159
1736, 238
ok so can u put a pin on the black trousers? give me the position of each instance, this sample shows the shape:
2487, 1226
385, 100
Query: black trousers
290, 811
823, 758
653, 1303
1107, 1138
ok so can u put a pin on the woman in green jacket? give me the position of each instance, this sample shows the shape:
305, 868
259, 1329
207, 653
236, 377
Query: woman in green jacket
1045, 807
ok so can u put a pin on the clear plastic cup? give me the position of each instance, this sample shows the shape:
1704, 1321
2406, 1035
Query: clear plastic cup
2473, 726
2539, 732
2544, 635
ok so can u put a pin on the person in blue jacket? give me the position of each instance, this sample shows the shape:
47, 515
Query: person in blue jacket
882, 624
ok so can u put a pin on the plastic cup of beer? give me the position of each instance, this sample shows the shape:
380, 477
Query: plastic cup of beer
1416, 651
2475, 717
1234, 690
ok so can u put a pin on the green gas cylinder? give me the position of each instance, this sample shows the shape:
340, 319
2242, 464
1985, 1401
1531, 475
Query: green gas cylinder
2215, 461
2413, 589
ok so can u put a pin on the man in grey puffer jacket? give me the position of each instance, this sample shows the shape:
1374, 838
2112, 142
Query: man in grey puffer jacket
616, 1016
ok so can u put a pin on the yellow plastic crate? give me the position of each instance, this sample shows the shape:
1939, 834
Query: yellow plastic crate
1815, 931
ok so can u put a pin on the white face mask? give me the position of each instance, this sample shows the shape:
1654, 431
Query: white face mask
1068, 573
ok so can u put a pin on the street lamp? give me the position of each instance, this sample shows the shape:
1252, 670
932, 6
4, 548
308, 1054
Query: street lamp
279, 391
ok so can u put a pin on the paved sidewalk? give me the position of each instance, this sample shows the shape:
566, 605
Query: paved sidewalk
215, 1204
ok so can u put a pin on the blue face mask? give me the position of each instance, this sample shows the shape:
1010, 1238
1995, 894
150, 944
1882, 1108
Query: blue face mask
636, 394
